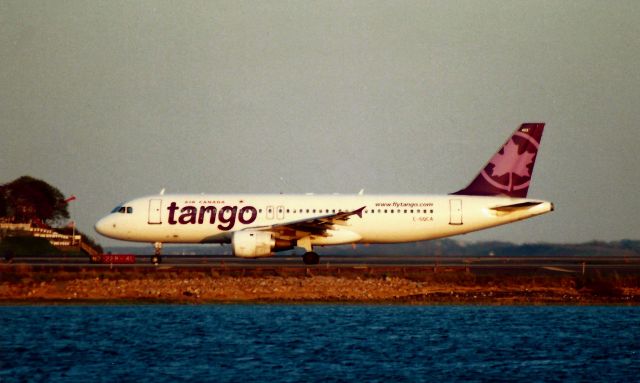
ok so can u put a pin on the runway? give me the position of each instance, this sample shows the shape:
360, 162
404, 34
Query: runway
559, 264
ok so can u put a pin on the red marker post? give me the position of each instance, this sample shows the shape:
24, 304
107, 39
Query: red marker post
73, 222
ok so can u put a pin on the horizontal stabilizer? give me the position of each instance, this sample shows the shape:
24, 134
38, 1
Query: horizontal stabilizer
515, 206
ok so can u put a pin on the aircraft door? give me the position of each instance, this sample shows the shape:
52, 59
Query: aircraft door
269, 212
455, 212
155, 211
280, 212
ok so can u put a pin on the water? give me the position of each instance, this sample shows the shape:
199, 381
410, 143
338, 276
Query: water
319, 343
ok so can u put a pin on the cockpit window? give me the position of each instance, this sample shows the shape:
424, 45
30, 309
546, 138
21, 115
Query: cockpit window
122, 209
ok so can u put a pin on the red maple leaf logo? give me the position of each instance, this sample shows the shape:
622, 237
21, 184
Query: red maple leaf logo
512, 162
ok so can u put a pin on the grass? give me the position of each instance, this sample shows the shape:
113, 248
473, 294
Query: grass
26, 246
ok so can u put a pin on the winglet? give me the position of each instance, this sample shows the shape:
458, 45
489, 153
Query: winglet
509, 171
359, 211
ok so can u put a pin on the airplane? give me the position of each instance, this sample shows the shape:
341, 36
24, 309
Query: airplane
259, 225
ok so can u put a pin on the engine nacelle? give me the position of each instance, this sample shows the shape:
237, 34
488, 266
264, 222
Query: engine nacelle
252, 244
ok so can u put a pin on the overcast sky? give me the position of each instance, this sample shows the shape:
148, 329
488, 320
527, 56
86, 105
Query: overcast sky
114, 100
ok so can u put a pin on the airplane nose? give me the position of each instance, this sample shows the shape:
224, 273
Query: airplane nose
103, 226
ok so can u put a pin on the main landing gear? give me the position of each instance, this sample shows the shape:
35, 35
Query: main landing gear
311, 258
156, 258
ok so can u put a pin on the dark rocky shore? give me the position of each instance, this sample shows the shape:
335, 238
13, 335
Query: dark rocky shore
20, 284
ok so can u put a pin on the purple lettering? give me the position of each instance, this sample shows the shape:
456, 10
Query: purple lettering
252, 217
172, 211
212, 214
188, 215
226, 215
230, 220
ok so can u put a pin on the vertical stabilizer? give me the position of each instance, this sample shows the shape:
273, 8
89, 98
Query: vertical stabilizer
509, 170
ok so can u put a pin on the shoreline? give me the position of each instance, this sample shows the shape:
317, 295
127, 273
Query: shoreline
150, 302
26, 286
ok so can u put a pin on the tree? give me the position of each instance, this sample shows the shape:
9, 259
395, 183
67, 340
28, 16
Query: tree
3, 202
27, 199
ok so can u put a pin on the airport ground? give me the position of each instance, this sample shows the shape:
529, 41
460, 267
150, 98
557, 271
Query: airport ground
377, 279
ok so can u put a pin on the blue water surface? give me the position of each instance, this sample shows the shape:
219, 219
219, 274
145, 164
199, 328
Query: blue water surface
291, 343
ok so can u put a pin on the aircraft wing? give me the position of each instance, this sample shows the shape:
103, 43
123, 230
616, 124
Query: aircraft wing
310, 226
292, 230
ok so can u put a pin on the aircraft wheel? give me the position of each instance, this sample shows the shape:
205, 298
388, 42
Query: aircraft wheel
311, 258
156, 258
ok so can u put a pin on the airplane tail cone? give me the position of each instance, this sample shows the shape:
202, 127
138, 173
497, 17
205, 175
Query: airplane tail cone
509, 170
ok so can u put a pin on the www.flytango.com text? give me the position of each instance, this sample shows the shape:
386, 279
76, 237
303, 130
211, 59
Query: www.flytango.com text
404, 204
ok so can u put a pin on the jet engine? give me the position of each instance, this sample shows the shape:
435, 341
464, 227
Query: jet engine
257, 244
252, 244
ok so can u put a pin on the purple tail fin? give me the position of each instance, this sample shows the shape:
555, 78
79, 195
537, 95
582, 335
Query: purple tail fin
509, 170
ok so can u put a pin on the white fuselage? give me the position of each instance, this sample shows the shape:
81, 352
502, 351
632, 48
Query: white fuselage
194, 218
258, 225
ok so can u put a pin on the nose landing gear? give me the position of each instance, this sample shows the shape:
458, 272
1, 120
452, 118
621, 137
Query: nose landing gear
156, 259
